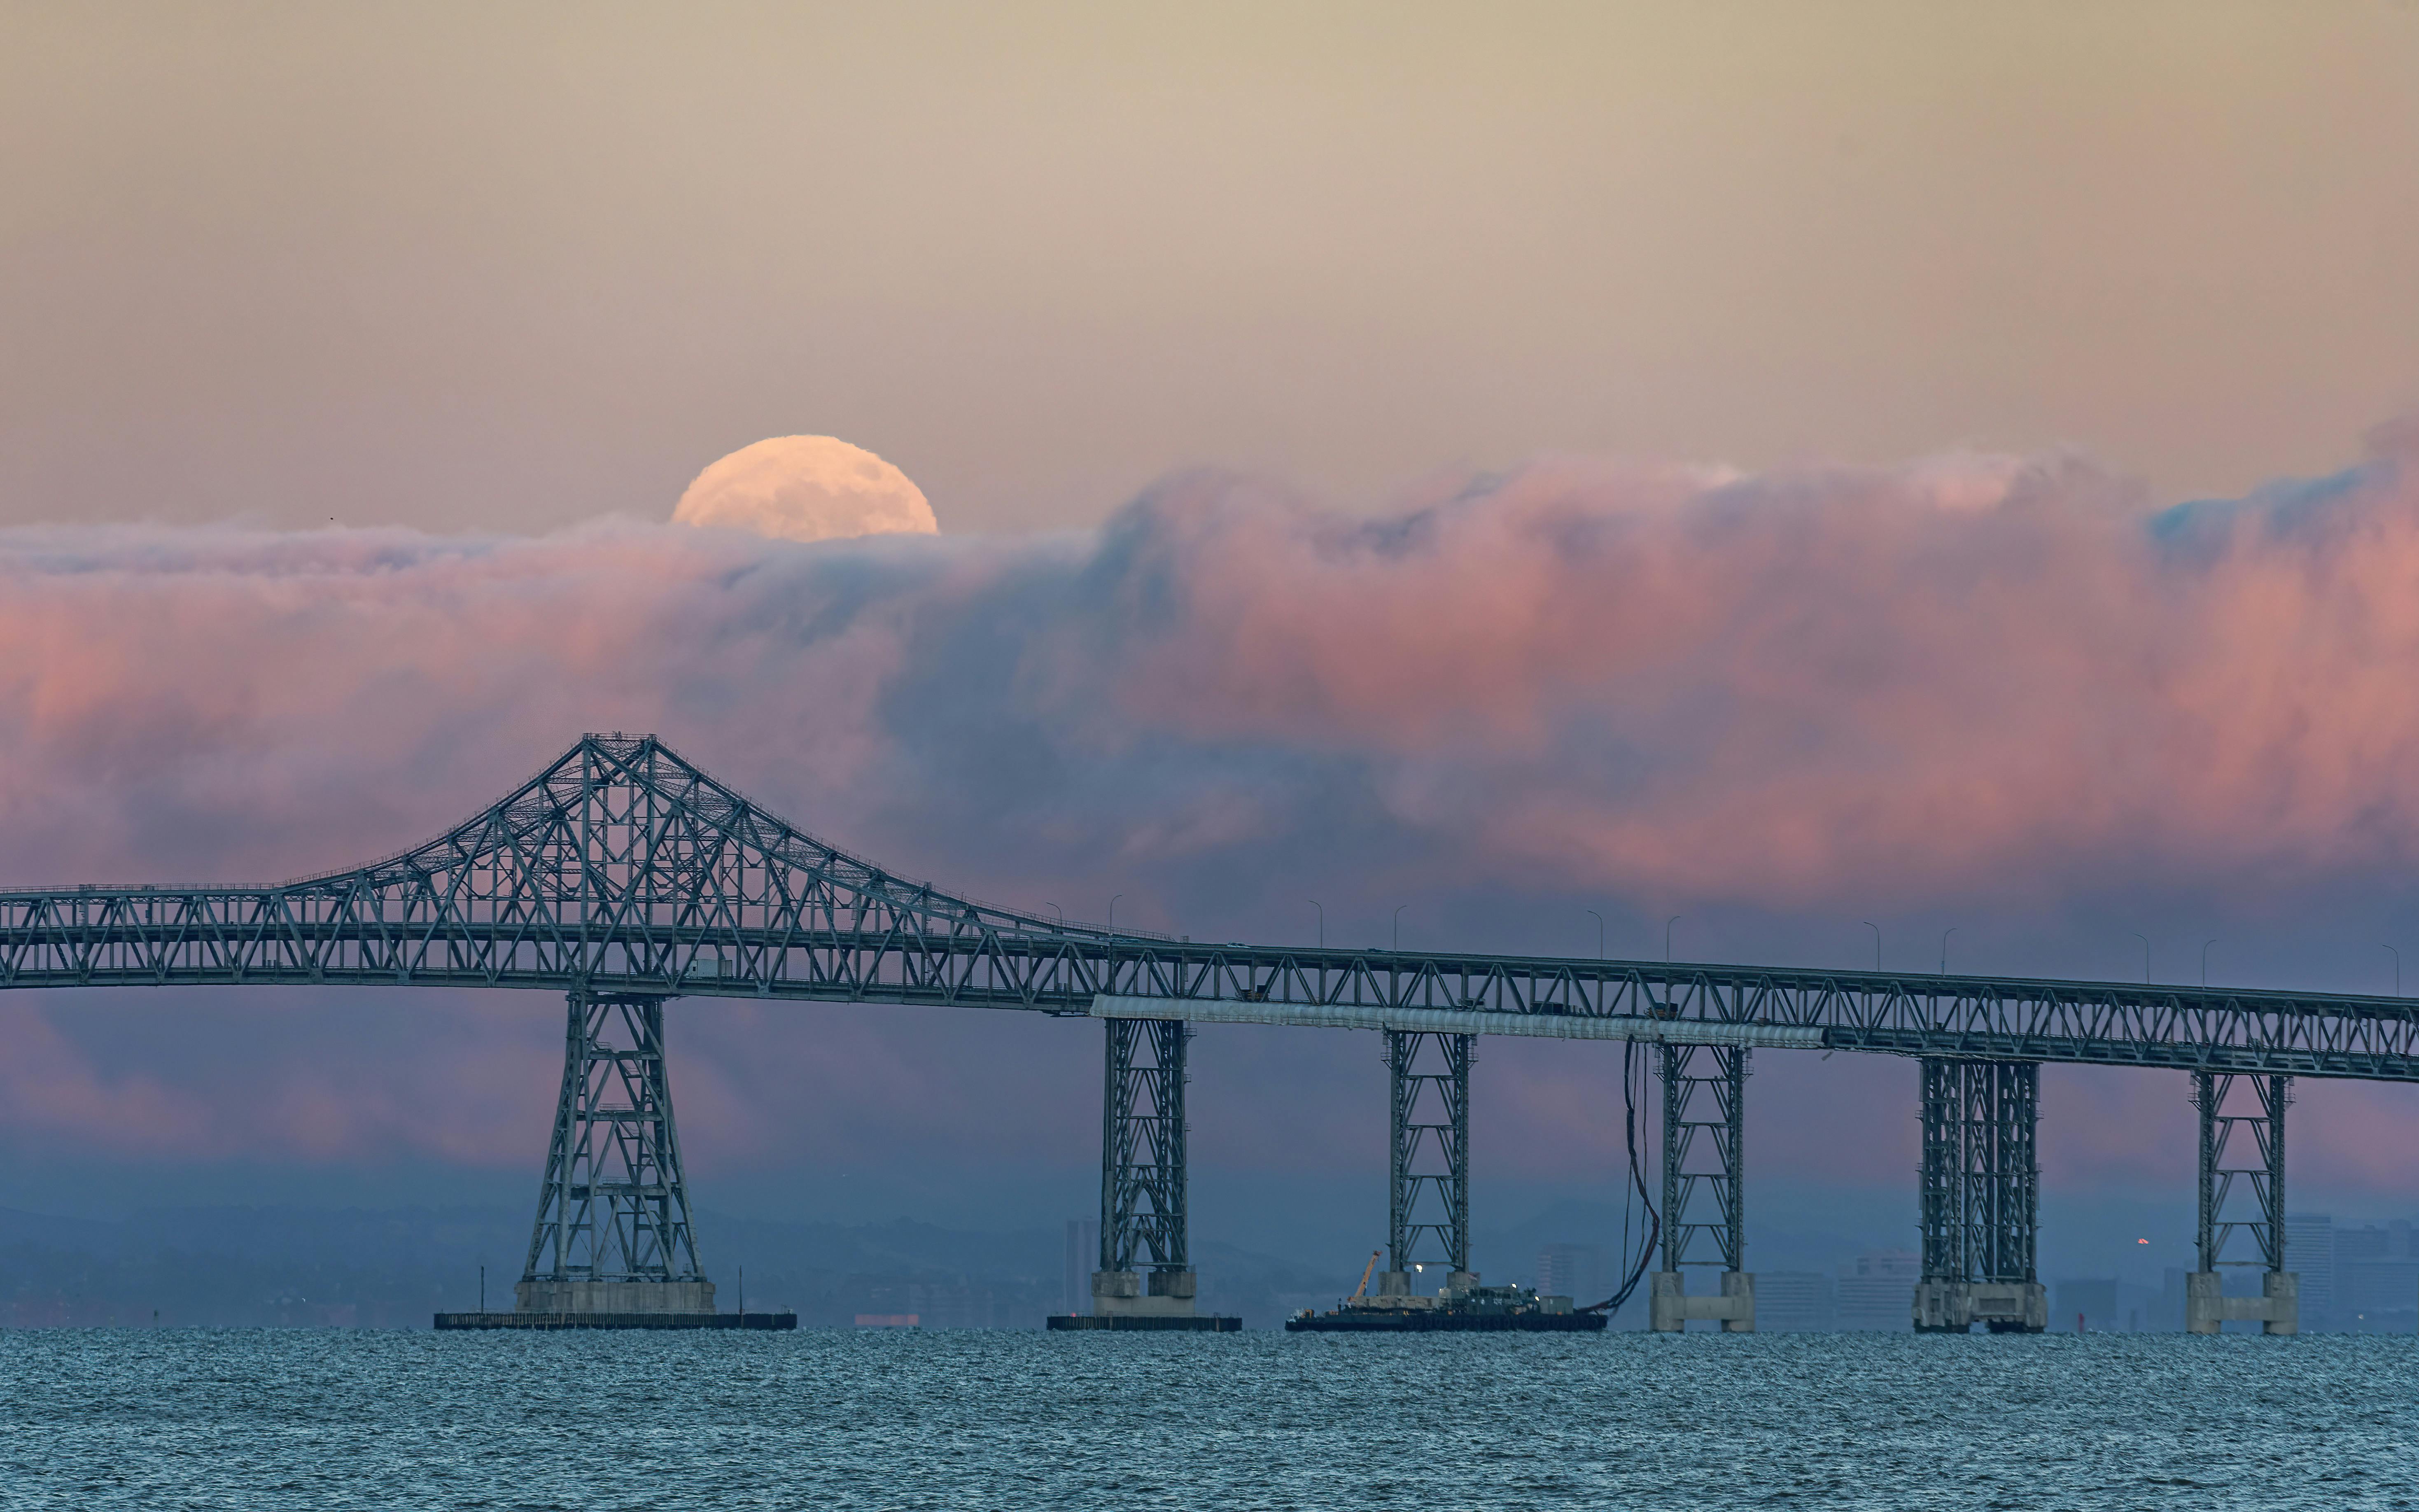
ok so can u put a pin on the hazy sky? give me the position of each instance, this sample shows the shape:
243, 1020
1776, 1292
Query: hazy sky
509, 267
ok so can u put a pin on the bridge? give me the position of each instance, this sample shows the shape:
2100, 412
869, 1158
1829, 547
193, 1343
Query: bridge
622, 877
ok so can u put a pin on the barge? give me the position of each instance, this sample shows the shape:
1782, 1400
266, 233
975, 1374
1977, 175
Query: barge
1457, 1309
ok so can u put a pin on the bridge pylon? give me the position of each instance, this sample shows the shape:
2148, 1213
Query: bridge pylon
2241, 1202
614, 1233
1705, 1192
1427, 1126
1982, 1197
1145, 1272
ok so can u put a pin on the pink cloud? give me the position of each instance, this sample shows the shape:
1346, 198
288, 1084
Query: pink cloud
2003, 687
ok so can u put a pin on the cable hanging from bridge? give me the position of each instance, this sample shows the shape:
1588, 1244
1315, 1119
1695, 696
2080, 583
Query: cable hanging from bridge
1633, 1092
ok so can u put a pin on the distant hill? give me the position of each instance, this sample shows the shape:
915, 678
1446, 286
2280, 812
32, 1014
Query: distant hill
393, 1267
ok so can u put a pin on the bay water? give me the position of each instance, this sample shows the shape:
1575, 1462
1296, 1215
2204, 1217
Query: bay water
313, 1419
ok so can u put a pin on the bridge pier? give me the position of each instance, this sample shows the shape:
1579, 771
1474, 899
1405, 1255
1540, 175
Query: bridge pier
2241, 1201
1982, 1197
1145, 1272
1705, 1193
1427, 1206
613, 1234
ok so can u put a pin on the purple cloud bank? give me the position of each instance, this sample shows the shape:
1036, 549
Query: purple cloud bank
2002, 690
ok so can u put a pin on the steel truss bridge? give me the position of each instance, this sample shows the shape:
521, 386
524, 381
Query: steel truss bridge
621, 875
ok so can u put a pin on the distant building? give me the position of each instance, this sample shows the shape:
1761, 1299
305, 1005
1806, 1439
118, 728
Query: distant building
2377, 1278
1795, 1302
1083, 1258
2310, 1250
2090, 1303
1876, 1292
1578, 1272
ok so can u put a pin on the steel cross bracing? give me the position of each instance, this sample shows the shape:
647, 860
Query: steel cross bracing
2241, 1201
613, 1206
621, 868
1142, 1146
1427, 1215
1981, 1209
1705, 1193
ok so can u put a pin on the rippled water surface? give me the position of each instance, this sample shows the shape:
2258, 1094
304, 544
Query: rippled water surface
339, 1419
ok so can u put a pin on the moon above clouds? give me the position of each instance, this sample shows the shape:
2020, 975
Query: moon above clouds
805, 488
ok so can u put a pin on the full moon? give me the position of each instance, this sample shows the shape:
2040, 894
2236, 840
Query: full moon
805, 488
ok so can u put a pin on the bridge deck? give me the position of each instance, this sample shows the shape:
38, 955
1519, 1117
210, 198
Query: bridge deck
623, 869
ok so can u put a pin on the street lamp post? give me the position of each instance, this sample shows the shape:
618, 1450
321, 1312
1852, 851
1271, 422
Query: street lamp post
2204, 961
1113, 911
2398, 968
2146, 954
1398, 924
1061, 912
1943, 947
1667, 935
1322, 920
1599, 931
1877, 943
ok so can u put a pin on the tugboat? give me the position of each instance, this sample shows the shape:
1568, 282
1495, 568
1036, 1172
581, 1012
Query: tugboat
1463, 1305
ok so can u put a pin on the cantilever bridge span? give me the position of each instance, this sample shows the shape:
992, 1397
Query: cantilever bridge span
621, 875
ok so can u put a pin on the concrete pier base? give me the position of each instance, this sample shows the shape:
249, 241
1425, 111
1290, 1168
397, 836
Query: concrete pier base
549, 1322
1144, 1293
1135, 1324
1670, 1309
2277, 1309
2003, 1306
552, 1297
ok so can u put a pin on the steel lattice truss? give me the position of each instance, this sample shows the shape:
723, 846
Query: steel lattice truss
1981, 1170
1427, 1211
1143, 1182
1704, 1140
613, 1206
2240, 1199
623, 869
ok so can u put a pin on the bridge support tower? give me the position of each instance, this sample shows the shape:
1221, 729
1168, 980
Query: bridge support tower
613, 1235
1982, 1197
2241, 1204
1144, 1271
1705, 1193
1427, 1206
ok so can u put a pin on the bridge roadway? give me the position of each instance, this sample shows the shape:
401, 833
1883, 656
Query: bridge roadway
622, 874
914, 946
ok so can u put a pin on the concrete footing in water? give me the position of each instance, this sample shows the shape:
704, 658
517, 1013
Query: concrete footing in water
2003, 1306
2277, 1309
1670, 1309
1142, 1323
551, 1321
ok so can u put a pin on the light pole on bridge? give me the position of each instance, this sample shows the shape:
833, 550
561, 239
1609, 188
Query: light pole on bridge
2204, 961
2146, 954
1398, 924
1877, 942
1944, 947
1599, 931
1113, 911
2398, 968
1667, 935
1322, 920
